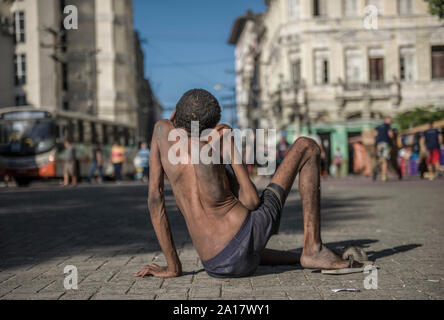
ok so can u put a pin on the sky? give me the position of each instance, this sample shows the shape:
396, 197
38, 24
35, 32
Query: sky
185, 46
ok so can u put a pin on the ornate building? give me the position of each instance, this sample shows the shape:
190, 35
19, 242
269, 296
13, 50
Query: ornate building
337, 67
94, 69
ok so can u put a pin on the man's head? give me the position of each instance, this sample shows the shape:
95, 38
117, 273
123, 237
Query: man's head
144, 145
67, 143
430, 123
197, 105
388, 120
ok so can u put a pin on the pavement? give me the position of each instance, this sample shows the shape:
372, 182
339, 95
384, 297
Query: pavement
105, 232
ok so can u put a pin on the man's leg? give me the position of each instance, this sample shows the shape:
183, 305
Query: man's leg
303, 158
100, 174
92, 171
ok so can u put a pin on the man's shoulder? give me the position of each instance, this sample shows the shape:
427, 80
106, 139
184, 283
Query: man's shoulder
163, 126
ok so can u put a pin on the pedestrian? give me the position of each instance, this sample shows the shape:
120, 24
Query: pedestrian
282, 148
144, 160
369, 142
383, 149
96, 163
433, 140
394, 154
337, 161
118, 158
70, 169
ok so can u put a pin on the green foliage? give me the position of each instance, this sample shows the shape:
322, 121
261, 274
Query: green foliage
436, 7
418, 116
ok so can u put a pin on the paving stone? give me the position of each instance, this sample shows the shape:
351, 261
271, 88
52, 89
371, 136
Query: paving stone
108, 245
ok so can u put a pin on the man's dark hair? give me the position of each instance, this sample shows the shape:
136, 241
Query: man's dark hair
197, 105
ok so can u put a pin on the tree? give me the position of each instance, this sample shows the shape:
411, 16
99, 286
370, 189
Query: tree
436, 7
418, 116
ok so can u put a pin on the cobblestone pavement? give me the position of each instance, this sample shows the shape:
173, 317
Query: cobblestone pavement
106, 233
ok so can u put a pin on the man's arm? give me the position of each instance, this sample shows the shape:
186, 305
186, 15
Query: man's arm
246, 190
159, 219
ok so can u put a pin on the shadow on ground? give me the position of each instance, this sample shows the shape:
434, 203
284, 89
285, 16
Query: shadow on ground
38, 225
340, 247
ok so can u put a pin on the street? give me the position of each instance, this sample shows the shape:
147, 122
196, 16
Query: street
105, 232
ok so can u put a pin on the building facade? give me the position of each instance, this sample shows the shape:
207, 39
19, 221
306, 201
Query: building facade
92, 69
337, 67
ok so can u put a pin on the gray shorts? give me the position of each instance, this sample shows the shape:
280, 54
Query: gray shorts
241, 256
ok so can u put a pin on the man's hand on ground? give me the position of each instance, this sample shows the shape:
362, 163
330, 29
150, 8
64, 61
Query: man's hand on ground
158, 272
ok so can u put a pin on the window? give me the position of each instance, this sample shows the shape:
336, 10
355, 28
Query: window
294, 9
105, 139
407, 64
296, 72
19, 26
404, 7
376, 69
20, 69
438, 62
350, 8
353, 65
321, 67
20, 100
319, 8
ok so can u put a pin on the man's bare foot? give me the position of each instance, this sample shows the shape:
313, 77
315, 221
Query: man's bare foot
322, 258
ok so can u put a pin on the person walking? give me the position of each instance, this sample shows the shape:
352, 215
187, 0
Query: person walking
282, 148
394, 154
96, 163
383, 149
118, 158
433, 139
144, 158
70, 169
337, 161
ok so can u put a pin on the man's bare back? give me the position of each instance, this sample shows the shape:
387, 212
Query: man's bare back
202, 191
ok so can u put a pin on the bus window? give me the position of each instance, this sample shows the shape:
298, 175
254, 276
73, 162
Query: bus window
126, 136
69, 134
93, 133
116, 134
81, 133
105, 139
132, 141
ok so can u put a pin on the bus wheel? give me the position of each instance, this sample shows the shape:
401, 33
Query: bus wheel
23, 182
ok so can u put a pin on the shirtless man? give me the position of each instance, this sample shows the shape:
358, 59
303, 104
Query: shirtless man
228, 222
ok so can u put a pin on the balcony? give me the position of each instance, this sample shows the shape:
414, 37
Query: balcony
377, 90
376, 85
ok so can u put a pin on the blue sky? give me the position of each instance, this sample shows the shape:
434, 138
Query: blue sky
185, 45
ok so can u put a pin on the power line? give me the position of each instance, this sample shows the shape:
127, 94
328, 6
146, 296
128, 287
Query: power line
190, 63
179, 65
